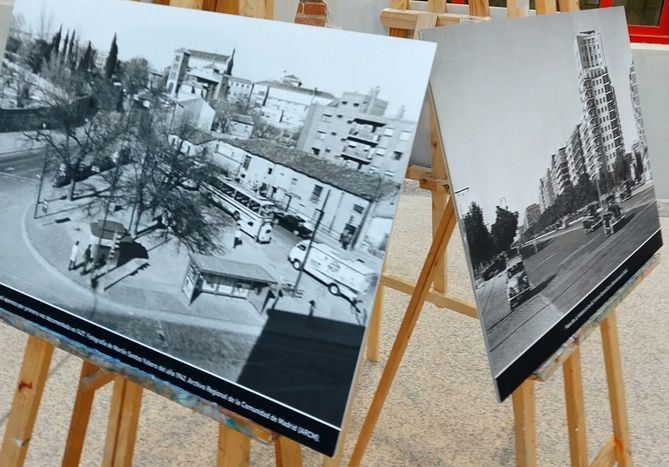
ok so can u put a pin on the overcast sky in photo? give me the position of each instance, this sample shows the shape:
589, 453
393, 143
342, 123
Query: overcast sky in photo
507, 98
331, 60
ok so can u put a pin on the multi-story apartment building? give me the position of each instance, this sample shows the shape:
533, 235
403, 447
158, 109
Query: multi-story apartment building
602, 131
546, 192
640, 146
203, 70
354, 132
636, 105
559, 172
238, 90
285, 103
575, 155
532, 213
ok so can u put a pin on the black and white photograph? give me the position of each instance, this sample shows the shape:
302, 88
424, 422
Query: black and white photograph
206, 197
550, 172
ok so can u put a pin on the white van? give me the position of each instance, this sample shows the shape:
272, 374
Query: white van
349, 279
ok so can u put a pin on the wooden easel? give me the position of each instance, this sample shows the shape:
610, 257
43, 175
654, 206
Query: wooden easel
431, 286
235, 432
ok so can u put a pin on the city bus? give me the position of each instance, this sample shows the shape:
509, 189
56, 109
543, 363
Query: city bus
254, 213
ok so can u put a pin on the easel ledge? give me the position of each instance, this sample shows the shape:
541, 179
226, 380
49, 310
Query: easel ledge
546, 370
148, 381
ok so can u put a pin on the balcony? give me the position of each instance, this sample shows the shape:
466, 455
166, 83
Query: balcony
356, 155
364, 136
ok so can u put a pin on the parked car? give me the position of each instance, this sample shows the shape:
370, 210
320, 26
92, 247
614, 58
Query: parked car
295, 224
592, 220
518, 285
497, 266
63, 177
102, 164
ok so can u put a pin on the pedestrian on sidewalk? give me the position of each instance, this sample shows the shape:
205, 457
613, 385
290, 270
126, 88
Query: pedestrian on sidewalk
312, 308
74, 252
87, 259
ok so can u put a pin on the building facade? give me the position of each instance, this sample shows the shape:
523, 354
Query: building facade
532, 213
640, 146
193, 110
575, 156
285, 104
546, 192
559, 172
602, 130
301, 184
238, 90
239, 126
353, 131
205, 71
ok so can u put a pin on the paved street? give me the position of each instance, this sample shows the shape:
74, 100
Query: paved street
27, 164
569, 264
275, 256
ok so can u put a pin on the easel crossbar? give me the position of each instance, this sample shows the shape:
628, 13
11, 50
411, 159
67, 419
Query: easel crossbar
439, 299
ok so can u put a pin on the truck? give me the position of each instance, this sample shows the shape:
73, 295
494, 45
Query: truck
346, 278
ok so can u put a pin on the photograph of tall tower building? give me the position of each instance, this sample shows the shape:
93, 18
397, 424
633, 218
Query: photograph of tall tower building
555, 200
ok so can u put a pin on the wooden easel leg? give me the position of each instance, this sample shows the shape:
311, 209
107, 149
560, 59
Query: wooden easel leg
525, 430
32, 379
446, 226
233, 448
91, 379
573, 391
122, 425
288, 453
439, 199
614, 377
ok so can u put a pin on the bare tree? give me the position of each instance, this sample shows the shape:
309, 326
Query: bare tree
75, 131
135, 74
164, 179
22, 85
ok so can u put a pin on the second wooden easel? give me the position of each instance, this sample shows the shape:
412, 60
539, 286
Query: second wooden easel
431, 286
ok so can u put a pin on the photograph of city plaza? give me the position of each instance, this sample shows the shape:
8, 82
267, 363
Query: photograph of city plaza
229, 205
563, 207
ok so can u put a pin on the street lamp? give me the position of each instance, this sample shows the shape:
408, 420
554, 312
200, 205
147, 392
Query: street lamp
321, 212
41, 178
112, 189
146, 104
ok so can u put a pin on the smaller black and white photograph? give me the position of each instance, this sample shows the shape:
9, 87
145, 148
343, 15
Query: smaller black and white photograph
213, 187
553, 187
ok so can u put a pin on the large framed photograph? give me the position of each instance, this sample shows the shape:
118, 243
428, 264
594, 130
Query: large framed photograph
207, 198
549, 167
